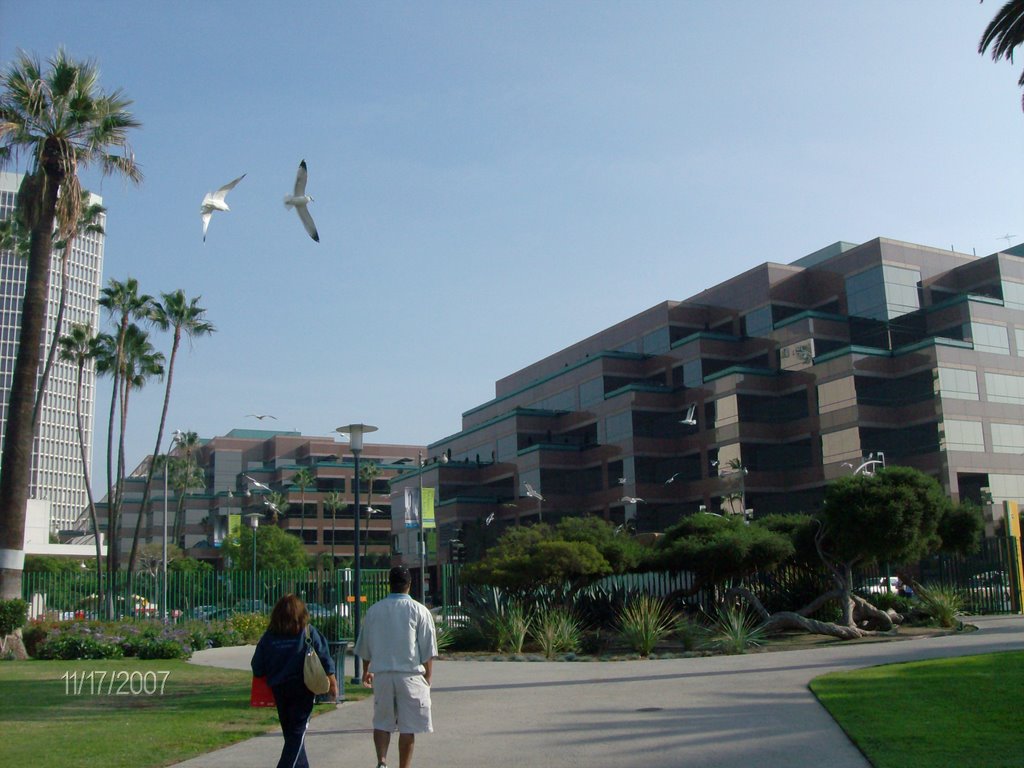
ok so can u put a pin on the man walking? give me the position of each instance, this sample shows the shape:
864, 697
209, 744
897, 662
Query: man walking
398, 642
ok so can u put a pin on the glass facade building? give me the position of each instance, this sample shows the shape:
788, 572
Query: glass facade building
793, 373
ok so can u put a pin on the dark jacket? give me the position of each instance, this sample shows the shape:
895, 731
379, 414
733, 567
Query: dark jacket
279, 657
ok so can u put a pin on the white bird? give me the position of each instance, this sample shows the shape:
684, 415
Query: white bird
261, 416
532, 493
257, 483
623, 480
299, 200
673, 478
214, 201
490, 519
633, 500
691, 416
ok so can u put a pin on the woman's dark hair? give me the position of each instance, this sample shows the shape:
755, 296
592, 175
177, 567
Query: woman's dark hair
289, 616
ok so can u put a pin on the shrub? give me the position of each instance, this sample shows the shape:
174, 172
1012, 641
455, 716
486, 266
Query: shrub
166, 647
78, 641
250, 626
556, 630
34, 634
691, 633
734, 631
445, 634
12, 615
220, 634
941, 604
644, 622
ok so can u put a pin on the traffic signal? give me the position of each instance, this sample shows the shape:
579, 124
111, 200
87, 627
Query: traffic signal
457, 551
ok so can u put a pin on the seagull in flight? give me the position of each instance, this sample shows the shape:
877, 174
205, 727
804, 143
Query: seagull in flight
633, 500
490, 519
257, 483
299, 200
691, 416
262, 416
673, 478
532, 493
214, 201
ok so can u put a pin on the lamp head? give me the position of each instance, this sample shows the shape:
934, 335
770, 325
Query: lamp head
355, 434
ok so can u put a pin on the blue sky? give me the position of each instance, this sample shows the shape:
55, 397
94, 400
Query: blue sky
495, 181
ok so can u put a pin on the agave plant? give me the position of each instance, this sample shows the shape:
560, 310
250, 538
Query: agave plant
943, 604
557, 630
644, 622
734, 630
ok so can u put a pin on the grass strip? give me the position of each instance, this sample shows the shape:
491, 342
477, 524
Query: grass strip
125, 713
942, 714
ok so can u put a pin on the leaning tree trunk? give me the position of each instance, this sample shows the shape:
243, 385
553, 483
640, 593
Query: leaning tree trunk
88, 488
16, 459
147, 491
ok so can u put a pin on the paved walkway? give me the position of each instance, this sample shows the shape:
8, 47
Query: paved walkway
721, 711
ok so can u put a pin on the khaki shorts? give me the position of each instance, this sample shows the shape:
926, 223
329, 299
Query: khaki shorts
401, 702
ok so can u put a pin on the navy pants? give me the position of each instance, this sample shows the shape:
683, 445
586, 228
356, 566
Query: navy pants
294, 706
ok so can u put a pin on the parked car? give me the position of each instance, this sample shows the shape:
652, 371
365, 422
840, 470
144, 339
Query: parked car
881, 585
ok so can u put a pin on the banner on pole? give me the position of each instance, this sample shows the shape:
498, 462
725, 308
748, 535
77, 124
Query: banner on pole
427, 505
411, 506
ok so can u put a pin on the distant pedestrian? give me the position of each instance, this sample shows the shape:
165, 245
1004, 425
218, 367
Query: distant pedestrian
399, 643
279, 657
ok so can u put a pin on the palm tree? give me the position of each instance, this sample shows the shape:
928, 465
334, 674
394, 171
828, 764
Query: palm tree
303, 479
367, 474
1004, 33
184, 316
64, 122
188, 475
124, 304
78, 346
89, 223
333, 501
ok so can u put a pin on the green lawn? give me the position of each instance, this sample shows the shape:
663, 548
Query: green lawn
951, 712
176, 711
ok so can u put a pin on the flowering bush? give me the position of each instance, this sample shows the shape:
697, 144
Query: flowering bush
78, 641
249, 625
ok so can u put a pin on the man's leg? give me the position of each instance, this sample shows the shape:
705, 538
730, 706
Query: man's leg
406, 742
381, 742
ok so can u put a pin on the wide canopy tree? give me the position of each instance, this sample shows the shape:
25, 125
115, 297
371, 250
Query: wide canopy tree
60, 118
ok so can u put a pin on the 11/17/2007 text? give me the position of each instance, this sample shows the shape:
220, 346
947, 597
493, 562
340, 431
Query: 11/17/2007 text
119, 682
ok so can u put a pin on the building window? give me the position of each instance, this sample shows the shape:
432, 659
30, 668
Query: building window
963, 436
1013, 295
1004, 388
883, 292
656, 342
591, 392
1008, 438
958, 383
990, 338
618, 426
758, 322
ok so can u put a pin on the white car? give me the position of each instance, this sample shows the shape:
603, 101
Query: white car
881, 585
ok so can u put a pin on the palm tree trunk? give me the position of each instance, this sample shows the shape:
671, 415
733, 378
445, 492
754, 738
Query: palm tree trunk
112, 522
156, 451
88, 488
16, 459
51, 353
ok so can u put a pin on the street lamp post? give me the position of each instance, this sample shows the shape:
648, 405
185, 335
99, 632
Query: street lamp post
167, 457
355, 434
254, 523
421, 539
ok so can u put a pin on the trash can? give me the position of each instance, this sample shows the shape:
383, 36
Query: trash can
338, 648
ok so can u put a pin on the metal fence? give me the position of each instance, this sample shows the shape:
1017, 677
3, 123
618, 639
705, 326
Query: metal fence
988, 579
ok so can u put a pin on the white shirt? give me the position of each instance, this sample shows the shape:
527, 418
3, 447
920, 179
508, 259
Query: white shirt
397, 635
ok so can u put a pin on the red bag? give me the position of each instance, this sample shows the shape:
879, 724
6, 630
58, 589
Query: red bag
261, 695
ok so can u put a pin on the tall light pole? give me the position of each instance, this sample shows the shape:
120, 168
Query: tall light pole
421, 540
254, 523
355, 434
167, 462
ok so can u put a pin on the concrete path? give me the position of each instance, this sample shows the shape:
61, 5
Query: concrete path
721, 711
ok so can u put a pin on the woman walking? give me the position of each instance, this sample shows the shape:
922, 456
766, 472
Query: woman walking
279, 657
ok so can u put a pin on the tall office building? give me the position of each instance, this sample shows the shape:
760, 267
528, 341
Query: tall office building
56, 462
750, 397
